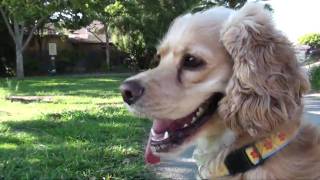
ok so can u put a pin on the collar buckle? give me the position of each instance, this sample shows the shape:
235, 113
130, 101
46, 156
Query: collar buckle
238, 161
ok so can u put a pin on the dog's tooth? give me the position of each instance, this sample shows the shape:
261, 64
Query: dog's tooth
152, 132
166, 135
163, 146
200, 111
153, 149
153, 138
193, 119
185, 125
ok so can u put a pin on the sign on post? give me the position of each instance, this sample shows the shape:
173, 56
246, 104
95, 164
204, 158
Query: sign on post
52, 49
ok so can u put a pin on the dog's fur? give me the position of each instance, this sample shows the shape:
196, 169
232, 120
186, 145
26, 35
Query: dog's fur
255, 66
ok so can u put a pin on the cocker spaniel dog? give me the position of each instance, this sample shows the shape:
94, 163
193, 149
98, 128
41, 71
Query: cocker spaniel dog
229, 82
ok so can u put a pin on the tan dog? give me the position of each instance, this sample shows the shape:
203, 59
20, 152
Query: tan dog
229, 82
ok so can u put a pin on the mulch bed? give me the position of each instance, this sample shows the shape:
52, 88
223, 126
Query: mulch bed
30, 99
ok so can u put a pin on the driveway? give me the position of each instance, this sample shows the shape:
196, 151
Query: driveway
312, 108
184, 168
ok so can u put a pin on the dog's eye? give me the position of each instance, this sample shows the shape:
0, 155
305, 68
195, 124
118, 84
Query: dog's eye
157, 57
191, 62
155, 60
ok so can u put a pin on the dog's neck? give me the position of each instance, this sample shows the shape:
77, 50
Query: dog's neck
208, 148
212, 150
245, 138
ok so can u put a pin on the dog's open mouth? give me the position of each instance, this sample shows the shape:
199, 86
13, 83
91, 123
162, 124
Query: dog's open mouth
167, 135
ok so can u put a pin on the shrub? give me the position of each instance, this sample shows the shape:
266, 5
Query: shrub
31, 66
311, 39
315, 78
65, 61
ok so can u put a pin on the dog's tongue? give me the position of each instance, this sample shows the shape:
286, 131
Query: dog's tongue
159, 126
150, 158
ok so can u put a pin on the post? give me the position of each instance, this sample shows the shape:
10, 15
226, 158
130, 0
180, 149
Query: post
52, 53
107, 50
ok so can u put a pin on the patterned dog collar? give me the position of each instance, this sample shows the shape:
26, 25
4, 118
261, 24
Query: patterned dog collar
252, 155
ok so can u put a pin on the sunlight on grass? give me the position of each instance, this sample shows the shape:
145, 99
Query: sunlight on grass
8, 146
84, 132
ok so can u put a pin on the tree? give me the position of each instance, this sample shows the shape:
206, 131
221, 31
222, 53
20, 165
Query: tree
24, 17
311, 39
96, 10
75, 14
137, 26
90, 11
233, 4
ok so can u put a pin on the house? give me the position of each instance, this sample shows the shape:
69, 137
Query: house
79, 51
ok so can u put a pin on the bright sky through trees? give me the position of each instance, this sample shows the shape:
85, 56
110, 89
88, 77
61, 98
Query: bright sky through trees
296, 17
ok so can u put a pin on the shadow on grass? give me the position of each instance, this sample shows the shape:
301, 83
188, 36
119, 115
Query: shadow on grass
75, 144
10, 140
76, 86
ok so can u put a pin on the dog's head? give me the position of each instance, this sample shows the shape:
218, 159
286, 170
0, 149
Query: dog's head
207, 56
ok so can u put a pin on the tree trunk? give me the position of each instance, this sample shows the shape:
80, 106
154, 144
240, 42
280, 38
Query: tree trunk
39, 41
18, 40
17, 33
107, 50
19, 61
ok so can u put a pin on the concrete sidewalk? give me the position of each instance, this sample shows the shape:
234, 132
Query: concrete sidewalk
184, 167
181, 168
312, 108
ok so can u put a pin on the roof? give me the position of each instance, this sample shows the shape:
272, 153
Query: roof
90, 34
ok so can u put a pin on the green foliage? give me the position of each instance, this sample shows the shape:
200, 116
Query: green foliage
65, 60
23, 18
75, 14
137, 26
28, 12
311, 39
82, 134
32, 66
315, 78
233, 4
24, 11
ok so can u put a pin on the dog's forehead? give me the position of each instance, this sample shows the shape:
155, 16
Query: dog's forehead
189, 28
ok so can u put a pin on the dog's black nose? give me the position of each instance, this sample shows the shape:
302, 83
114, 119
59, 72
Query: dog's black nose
131, 91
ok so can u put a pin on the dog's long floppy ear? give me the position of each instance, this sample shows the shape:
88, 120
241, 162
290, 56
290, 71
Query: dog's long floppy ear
266, 87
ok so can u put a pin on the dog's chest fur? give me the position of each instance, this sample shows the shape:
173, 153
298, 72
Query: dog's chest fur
208, 152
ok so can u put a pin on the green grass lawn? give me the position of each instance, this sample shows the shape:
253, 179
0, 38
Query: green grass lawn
85, 132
